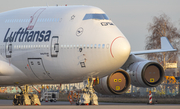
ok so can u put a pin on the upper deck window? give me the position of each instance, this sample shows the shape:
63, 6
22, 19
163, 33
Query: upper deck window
96, 16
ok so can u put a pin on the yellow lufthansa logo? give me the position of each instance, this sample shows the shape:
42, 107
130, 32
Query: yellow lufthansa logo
117, 87
115, 80
151, 79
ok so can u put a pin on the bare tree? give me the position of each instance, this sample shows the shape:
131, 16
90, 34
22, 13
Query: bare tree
162, 26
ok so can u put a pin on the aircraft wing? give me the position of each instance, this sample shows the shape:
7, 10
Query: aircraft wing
165, 47
10, 74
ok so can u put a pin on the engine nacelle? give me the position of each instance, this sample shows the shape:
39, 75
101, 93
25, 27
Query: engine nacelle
114, 84
146, 74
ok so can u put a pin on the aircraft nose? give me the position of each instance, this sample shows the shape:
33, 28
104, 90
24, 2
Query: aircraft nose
120, 48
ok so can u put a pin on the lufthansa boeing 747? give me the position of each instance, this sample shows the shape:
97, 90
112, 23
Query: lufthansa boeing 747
69, 44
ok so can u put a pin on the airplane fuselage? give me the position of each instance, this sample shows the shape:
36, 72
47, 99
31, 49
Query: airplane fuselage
62, 44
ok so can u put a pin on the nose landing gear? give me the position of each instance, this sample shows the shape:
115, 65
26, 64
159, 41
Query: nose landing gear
88, 97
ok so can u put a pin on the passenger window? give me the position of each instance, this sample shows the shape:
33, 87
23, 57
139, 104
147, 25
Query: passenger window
95, 46
88, 46
107, 46
61, 46
64, 46
91, 46
103, 45
67, 46
84, 46
99, 46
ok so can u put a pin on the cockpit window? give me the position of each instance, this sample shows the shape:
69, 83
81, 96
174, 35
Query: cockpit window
96, 16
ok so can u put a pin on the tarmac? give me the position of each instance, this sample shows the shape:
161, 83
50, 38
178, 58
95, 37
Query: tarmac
7, 104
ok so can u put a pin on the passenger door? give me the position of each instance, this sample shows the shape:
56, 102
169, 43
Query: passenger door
8, 48
54, 46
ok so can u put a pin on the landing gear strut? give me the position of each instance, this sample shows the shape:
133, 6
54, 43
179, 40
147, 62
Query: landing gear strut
24, 98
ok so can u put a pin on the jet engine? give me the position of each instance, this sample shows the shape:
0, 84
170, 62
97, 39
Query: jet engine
146, 73
116, 83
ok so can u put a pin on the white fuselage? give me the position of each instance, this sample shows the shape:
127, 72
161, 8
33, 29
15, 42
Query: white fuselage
57, 45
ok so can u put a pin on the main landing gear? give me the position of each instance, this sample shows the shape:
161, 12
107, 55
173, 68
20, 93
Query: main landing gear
24, 98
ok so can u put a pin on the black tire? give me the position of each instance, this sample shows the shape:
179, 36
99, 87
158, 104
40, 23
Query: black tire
15, 102
90, 103
23, 103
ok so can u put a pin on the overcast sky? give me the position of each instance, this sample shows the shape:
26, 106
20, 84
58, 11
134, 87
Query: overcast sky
130, 16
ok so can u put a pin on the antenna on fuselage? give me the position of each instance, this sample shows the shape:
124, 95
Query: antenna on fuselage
47, 4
